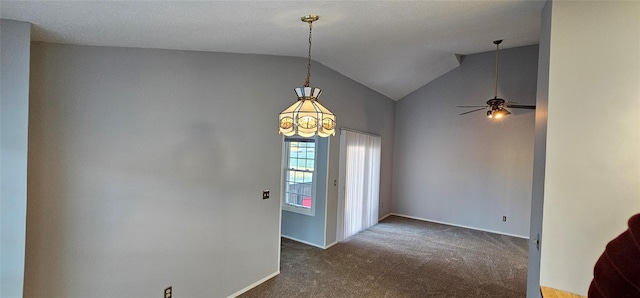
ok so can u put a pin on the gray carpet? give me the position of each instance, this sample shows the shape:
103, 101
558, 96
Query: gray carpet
402, 257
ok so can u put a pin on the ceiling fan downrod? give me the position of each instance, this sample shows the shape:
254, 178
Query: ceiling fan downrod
497, 43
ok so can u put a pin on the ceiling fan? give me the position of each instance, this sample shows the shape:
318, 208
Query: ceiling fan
497, 107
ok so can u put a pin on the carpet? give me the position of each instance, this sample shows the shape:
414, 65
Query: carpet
402, 257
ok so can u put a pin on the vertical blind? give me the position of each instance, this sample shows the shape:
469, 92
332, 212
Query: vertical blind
362, 181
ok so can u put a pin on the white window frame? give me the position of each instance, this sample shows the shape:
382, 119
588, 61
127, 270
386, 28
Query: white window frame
285, 163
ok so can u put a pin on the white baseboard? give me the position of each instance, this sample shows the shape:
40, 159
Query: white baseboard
389, 214
302, 241
332, 244
456, 225
255, 284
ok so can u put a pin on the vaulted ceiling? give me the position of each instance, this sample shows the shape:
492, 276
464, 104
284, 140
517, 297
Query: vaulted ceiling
393, 47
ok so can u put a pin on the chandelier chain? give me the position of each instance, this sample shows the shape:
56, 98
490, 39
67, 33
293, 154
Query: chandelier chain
307, 81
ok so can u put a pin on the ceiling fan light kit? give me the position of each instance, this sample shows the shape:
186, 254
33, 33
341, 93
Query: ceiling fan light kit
307, 117
497, 106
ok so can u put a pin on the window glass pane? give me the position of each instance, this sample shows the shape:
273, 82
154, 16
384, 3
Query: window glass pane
299, 177
307, 177
292, 199
299, 173
307, 189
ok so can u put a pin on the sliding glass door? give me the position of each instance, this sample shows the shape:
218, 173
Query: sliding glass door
359, 182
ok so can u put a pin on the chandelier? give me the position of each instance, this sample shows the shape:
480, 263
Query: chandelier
307, 117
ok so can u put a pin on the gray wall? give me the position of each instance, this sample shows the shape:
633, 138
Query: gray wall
468, 170
146, 167
540, 155
14, 116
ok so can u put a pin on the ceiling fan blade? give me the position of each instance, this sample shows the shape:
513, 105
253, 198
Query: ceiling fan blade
473, 111
521, 107
471, 106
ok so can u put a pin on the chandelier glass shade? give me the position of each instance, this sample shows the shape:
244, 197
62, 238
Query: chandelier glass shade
307, 117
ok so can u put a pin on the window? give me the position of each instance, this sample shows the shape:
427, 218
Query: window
299, 171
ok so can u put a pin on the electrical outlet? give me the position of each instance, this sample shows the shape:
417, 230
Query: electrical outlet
168, 292
504, 218
382, 204
265, 194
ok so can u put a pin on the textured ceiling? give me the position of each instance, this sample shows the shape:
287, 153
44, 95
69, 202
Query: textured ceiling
393, 47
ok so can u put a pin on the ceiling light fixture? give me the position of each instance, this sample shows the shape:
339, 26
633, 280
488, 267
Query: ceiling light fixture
497, 113
497, 106
307, 117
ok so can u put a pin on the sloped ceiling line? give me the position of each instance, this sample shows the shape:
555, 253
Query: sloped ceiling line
393, 47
